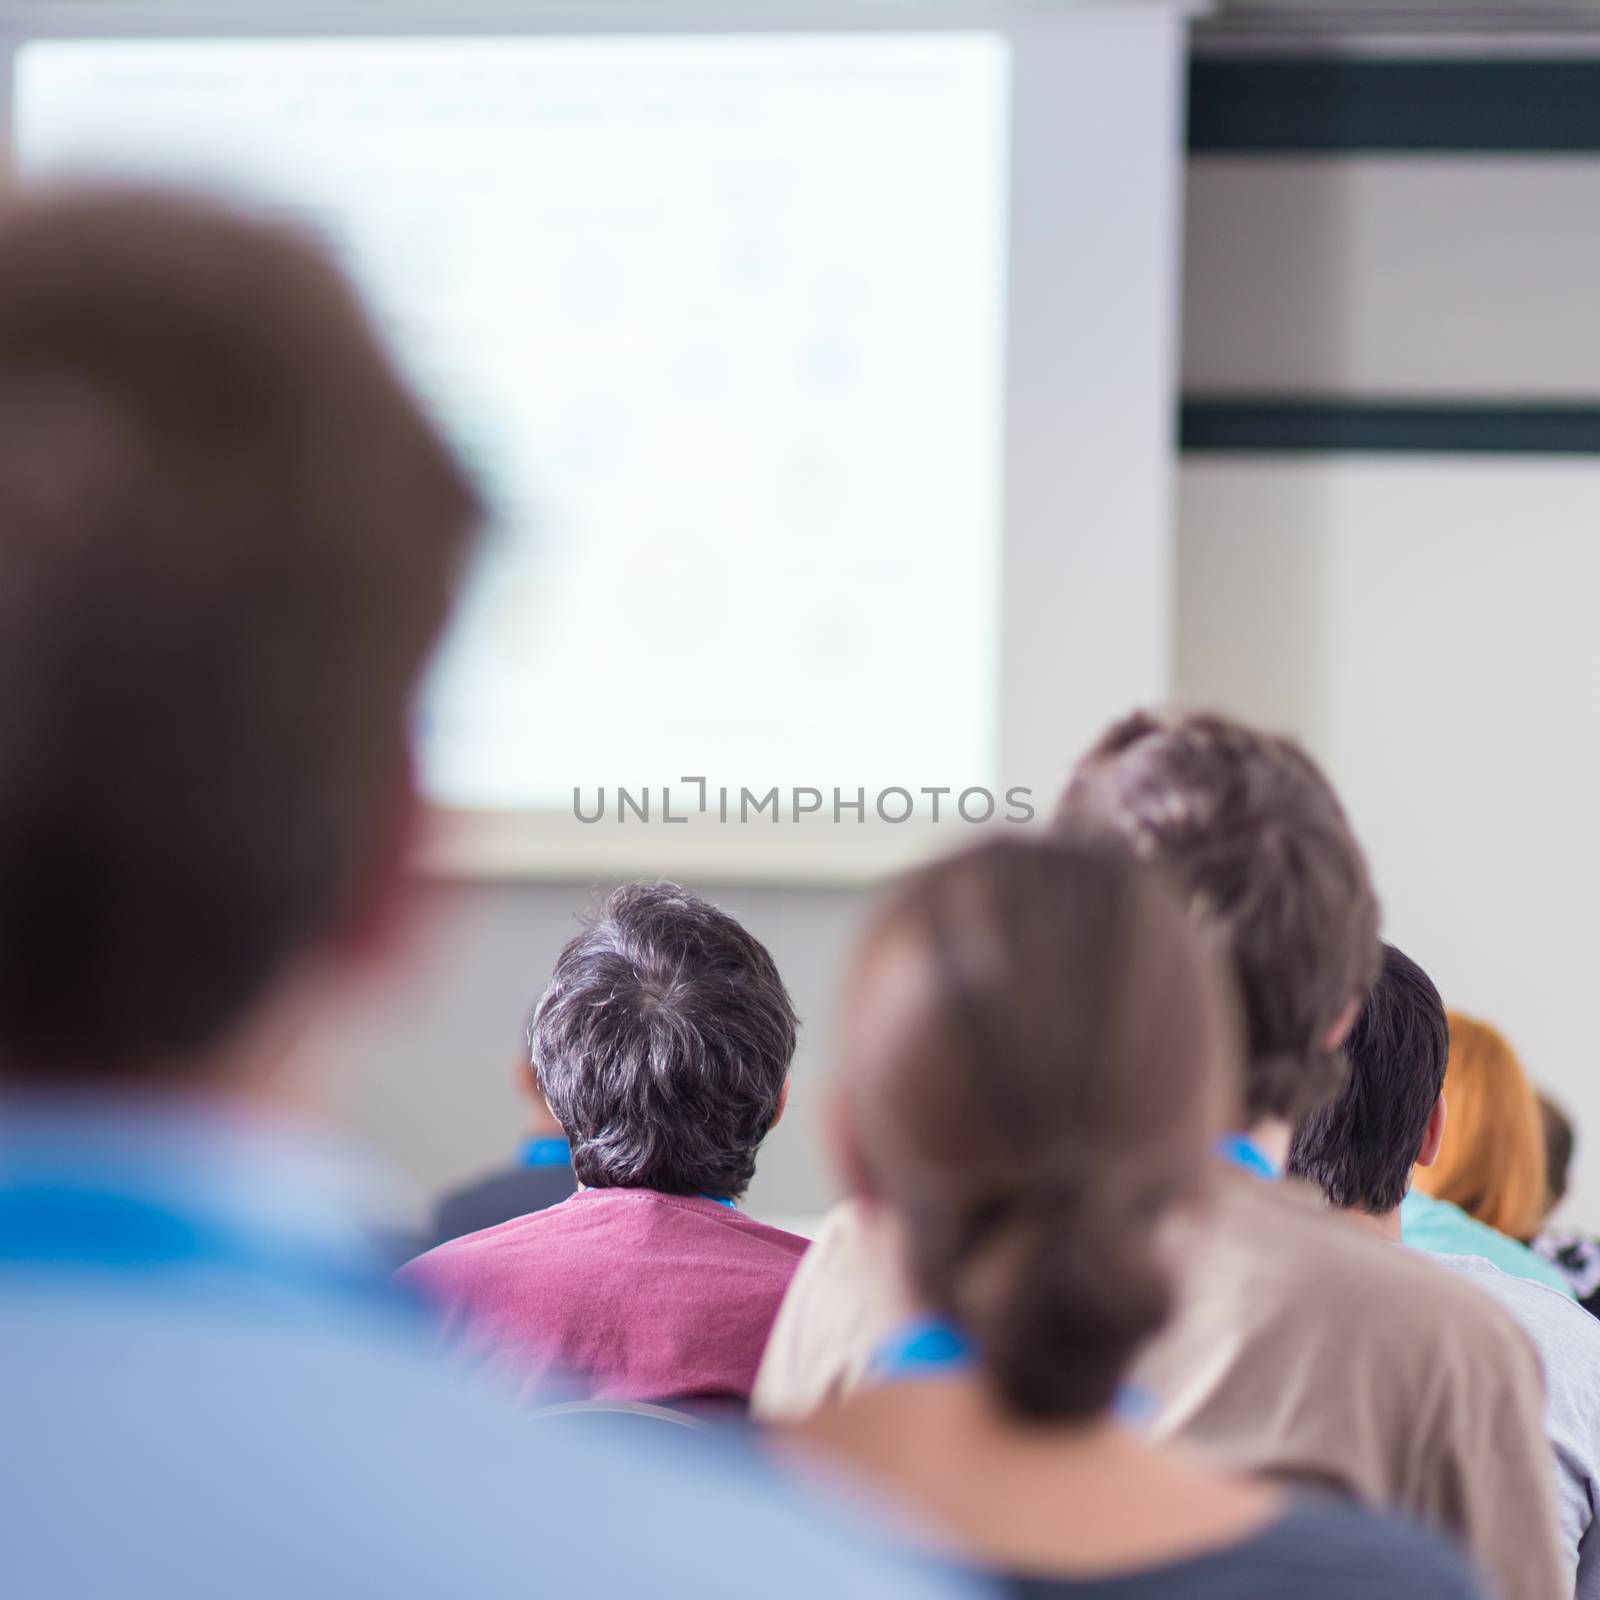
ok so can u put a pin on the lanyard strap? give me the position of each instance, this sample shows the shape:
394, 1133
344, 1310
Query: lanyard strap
1245, 1154
922, 1349
56, 1224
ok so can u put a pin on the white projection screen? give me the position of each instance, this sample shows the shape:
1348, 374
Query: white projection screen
818, 374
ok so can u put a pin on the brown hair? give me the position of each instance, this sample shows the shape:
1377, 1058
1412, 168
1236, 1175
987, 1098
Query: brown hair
1558, 1144
1253, 835
228, 536
1492, 1162
1041, 1057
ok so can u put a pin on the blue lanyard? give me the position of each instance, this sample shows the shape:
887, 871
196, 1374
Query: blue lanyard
921, 1349
542, 1152
1247, 1156
722, 1200
63, 1224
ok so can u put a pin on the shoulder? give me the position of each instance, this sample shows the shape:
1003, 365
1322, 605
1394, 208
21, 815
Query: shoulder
1339, 1283
1529, 1298
1317, 1550
1566, 1336
854, 1258
847, 1296
494, 1198
476, 1256
1325, 1252
846, 1242
1330, 1549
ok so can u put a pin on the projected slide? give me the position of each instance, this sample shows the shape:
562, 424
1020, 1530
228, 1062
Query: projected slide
719, 323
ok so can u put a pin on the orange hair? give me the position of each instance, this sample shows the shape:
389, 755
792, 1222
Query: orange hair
1493, 1161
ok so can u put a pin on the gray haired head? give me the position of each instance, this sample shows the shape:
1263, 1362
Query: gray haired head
663, 1044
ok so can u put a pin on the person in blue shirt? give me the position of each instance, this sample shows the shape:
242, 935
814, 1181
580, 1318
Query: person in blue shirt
228, 539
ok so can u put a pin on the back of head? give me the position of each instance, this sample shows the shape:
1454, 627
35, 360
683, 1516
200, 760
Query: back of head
1360, 1148
1492, 1163
1252, 834
1039, 1056
663, 1044
228, 537
1558, 1146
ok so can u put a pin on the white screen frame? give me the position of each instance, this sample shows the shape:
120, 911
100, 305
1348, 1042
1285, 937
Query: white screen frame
1088, 457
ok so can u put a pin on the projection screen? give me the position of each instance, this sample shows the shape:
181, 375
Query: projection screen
818, 375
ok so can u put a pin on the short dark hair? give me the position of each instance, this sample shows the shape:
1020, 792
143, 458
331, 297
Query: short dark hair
1041, 1051
663, 1044
1361, 1147
228, 537
1254, 837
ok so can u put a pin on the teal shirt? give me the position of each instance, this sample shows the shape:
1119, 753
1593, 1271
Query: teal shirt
1443, 1229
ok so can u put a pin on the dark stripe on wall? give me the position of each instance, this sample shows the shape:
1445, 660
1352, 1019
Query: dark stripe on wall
1261, 105
1280, 426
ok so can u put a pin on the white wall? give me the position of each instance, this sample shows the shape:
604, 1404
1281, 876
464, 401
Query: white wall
1393, 276
1426, 624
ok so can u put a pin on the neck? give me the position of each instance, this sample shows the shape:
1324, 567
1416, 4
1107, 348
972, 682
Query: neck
1385, 1226
1272, 1136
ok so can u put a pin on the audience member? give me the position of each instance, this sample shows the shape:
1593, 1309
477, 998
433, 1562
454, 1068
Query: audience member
1299, 1349
540, 1177
1028, 1122
1572, 1252
1485, 1193
663, 1046
1558, 1146
227, 540
1361, 1150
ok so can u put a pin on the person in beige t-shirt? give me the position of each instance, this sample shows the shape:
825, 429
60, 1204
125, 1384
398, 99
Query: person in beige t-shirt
1300, 1348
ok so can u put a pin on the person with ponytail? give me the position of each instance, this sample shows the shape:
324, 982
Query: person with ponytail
1039, 1056
1297, 1349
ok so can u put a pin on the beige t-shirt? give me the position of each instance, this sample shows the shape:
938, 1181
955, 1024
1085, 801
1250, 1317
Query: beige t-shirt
1301, 1349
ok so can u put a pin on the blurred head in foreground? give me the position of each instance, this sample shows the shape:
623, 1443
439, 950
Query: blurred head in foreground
1252, 835
228, 536
1038, 1058
662, 1045
1492, 1163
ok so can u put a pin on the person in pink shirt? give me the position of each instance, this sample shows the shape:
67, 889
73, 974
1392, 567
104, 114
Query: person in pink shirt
662, 1046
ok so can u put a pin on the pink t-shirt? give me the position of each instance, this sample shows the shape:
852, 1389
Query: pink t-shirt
642, 1296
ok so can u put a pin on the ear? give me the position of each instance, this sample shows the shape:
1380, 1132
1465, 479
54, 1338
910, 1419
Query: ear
1433, 1137
1343, 1023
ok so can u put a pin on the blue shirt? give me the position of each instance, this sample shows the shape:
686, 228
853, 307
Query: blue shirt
1443, 1229
207, 1388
